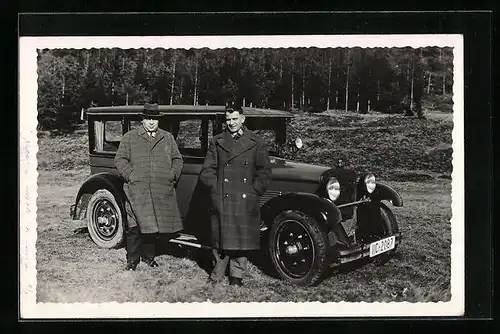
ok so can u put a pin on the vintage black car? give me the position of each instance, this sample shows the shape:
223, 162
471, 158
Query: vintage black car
304, 212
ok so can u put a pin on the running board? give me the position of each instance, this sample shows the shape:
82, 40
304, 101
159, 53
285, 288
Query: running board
192, 241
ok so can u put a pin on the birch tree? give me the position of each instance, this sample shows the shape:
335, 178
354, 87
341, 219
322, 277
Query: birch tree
172, 80
329, 81
347, 80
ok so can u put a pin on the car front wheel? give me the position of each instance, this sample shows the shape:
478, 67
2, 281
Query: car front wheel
104, 220
390, 227
298, 248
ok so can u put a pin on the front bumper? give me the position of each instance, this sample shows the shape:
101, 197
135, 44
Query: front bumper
360, 251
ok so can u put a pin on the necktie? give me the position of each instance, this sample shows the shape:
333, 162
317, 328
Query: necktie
152, 134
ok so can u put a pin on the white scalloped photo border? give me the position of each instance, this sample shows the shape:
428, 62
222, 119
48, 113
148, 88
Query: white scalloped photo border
28, 148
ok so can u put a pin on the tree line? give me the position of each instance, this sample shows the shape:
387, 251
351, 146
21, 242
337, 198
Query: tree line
390, 80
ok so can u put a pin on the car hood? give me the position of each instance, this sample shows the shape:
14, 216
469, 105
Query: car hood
294, 171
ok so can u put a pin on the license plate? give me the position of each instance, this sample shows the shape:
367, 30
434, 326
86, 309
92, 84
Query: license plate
382, 246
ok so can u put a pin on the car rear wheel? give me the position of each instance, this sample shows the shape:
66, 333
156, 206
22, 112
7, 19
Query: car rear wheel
104, 220
298, 248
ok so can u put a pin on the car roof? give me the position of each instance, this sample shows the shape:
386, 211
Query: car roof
179, 110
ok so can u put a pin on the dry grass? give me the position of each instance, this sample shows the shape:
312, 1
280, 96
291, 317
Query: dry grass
73, 269
65, 152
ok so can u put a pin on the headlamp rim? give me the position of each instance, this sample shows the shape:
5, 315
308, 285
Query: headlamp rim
370, 176
332, 180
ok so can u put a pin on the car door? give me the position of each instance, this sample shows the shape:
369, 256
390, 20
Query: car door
190, 145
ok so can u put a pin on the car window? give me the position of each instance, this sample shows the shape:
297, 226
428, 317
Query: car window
191, 137
107, 135
134, 124
189, 134
113, 131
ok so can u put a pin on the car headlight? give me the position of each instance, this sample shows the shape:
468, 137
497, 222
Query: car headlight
298, 143
333, 189
370, 183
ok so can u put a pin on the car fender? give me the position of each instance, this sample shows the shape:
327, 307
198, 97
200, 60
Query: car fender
384, 192
326, 213
104, 180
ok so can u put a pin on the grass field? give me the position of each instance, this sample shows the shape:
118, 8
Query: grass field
410, 155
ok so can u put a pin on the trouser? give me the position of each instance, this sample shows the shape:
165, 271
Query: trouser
140, 245
237, 264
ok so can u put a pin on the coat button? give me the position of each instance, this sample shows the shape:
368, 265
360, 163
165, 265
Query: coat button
226, 180
244, 195
226, 195
244, 180
227, 163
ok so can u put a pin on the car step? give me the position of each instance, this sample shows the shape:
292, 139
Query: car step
188, 240
186, 237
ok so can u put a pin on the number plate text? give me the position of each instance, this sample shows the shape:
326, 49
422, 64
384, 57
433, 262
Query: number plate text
382, 246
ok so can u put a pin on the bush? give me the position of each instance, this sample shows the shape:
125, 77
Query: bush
315, 107
443, 103
60, 120
46, 119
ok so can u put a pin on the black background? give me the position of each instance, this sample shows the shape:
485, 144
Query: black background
477, 30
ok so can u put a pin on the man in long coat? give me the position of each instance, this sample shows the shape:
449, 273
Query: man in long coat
237, 171
149, 161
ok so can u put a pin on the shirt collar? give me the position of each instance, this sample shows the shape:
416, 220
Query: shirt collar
239, 133
151, 134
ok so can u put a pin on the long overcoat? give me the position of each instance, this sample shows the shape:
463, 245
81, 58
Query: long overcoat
150, 167
237, 173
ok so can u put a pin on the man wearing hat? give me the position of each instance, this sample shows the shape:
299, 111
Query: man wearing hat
150, 163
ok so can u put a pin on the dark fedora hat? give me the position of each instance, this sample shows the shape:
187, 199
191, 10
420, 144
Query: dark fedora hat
151, 110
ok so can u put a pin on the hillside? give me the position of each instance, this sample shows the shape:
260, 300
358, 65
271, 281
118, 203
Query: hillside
392, 146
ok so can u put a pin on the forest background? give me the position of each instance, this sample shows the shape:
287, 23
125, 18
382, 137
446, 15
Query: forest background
387, 80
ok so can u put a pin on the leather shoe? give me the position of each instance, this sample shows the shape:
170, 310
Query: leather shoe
235, 281
152, 263
131, 265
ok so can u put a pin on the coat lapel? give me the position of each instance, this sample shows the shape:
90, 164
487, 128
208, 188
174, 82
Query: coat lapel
142, 133
226, 141
246, 142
